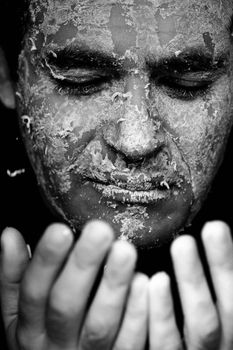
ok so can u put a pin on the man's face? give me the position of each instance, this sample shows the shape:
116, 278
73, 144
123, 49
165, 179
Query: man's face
125, 109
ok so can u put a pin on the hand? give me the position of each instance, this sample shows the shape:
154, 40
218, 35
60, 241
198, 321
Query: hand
207, 326
46, 301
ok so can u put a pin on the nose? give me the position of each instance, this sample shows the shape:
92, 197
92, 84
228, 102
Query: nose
137, 132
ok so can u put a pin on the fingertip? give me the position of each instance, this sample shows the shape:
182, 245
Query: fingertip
159, 282
54, 244
160, 278
58, 234
125, 251
98, 231
139, 285
140, 279
121, 261
182, 246
9, 230
7, 96
10, 238
14, 254
215, 231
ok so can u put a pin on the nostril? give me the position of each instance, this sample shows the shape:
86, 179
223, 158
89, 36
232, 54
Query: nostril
134, 159
134, 134
133, 146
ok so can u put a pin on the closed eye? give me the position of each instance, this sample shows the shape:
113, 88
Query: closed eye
81, 86
79, 82
184, 88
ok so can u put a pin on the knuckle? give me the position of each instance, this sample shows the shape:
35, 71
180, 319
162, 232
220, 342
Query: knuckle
95, 335
47, 252
227, 311
22, 339
29, 293
59, 306
128, 346
209, 333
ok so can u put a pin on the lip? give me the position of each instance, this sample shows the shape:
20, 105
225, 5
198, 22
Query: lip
119, 194
136, 182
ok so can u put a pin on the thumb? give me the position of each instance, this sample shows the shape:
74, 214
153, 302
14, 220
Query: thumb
14, 260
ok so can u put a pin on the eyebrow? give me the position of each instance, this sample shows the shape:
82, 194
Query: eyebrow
189, 60
72, 57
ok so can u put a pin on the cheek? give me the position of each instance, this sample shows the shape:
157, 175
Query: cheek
57, 128
210, 146
200, 130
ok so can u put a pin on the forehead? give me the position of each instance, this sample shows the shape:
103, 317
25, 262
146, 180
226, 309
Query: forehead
120, 25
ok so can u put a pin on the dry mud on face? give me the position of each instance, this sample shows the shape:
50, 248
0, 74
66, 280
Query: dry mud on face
132, 125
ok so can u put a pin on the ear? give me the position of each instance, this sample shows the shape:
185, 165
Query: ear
7, 96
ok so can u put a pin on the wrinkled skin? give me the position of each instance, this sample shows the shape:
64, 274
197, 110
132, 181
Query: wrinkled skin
137, 143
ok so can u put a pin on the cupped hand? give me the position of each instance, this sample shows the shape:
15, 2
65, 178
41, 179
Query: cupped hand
48, 302
208, 325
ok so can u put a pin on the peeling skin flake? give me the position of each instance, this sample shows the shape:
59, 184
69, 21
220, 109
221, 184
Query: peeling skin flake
27, 121
107, 126
15, 172
131, 221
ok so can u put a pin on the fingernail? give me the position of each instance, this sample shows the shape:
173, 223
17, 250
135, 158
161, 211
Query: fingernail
29, 251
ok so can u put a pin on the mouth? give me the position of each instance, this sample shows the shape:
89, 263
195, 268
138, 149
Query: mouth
119, 194
135, 187
135, 181
142, 188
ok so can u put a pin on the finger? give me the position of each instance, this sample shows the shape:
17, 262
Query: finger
163, 331
14, 260
104, 316
6, 87
133, 331
39, 277
218, 245
201, 319
71, 291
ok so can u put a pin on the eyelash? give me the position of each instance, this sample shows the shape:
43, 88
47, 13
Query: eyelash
78, 89
173, 87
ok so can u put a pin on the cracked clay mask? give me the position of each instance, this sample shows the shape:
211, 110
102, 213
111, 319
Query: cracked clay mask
125, 108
